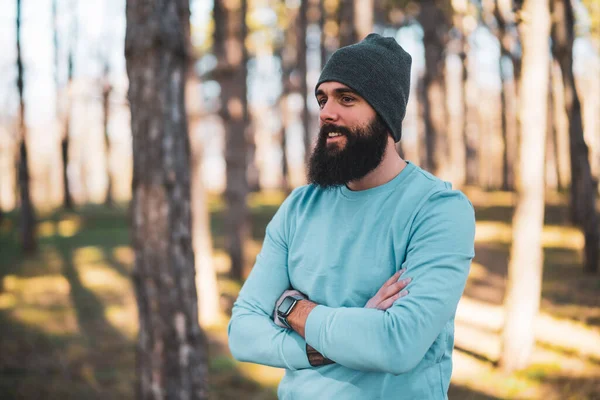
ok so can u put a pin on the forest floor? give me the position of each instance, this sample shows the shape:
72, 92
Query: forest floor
68, 316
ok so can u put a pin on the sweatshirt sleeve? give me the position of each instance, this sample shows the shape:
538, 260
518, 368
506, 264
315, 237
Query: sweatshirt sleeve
439, 254
253, 336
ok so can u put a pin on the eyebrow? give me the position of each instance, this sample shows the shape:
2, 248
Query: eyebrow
337, 91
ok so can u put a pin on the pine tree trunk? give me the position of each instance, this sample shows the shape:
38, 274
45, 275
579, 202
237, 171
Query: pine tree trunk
505, 33
363, 18
209, 310
66, 121
171, 349
551, 164
562, 128
434, 24
231, 74
347, 29
106, 90
27, 223
522, 297
583, 186
302, 70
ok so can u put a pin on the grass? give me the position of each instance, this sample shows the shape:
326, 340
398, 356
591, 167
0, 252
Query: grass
68, 314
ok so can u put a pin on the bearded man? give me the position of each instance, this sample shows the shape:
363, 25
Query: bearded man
355, 289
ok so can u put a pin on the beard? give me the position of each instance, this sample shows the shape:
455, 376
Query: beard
331, 165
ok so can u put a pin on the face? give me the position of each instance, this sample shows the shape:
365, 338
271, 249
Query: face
352, 137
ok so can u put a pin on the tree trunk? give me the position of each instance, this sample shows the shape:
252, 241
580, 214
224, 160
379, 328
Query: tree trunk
106, 90
66, 120
457, 105
231, 73
522, 298
562, 127
302, 26
27, 223
583, 186
509, 48
347, 30
363, 18
551, 164
434, 24
209, 311
171, 349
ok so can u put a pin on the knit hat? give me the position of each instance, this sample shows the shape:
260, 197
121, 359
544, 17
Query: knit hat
378, 69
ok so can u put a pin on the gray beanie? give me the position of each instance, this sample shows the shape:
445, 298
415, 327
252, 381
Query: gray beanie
378, 69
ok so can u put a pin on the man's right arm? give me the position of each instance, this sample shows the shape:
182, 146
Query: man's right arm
253, 336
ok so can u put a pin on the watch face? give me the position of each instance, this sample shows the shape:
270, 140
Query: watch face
285, 305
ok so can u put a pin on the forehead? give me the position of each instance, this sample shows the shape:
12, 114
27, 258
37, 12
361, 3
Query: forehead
330, 87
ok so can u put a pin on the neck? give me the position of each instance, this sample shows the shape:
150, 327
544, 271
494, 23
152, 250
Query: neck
391, 165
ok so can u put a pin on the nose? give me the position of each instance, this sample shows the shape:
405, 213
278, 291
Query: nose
328, 113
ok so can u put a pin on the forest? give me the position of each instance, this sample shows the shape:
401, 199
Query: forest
146, 145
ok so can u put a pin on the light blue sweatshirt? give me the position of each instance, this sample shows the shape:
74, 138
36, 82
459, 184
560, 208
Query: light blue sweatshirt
338, 247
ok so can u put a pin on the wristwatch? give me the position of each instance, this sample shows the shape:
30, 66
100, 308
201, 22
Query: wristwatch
285, 308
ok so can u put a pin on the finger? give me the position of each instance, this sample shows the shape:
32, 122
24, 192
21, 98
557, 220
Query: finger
393, 278
394, 288
384, 305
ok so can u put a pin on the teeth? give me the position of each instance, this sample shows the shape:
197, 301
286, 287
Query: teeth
334, 134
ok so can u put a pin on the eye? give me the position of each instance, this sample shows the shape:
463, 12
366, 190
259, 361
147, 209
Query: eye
347, 99
322, 102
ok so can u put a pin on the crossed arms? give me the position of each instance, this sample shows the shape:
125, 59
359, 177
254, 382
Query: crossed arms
392, 341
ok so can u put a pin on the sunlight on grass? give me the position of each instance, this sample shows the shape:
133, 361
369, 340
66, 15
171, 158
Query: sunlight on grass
483, 377
124, 318
552, 236
69, 226
266, 198
88, 254
124, 254
478, 322
102, 276
43, 302
46, 229
266, 376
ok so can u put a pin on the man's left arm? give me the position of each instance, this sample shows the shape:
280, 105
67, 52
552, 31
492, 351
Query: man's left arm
439, 254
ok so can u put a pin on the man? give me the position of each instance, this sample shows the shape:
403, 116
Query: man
320, 301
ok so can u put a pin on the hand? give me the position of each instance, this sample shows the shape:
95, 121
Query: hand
285, 294
392, 290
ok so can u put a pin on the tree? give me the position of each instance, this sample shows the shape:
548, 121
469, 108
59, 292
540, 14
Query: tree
522, 297
583, 187
27, 231
65, 116
106, 90
433, 20
230, 50
206, 277
171, 352
346, 20
504, 28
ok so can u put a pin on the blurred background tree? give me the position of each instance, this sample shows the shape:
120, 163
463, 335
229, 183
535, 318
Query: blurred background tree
76, 151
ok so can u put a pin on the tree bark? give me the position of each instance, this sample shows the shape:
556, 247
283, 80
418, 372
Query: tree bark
435, 28
583, 186
209, 311
302, 26
522, 298
66, 119
347, 30
27, 223
106, 90
363, 18
229, 39
509, 47
171, 352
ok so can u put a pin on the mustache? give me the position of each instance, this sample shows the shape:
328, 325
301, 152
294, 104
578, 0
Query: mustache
328, 128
